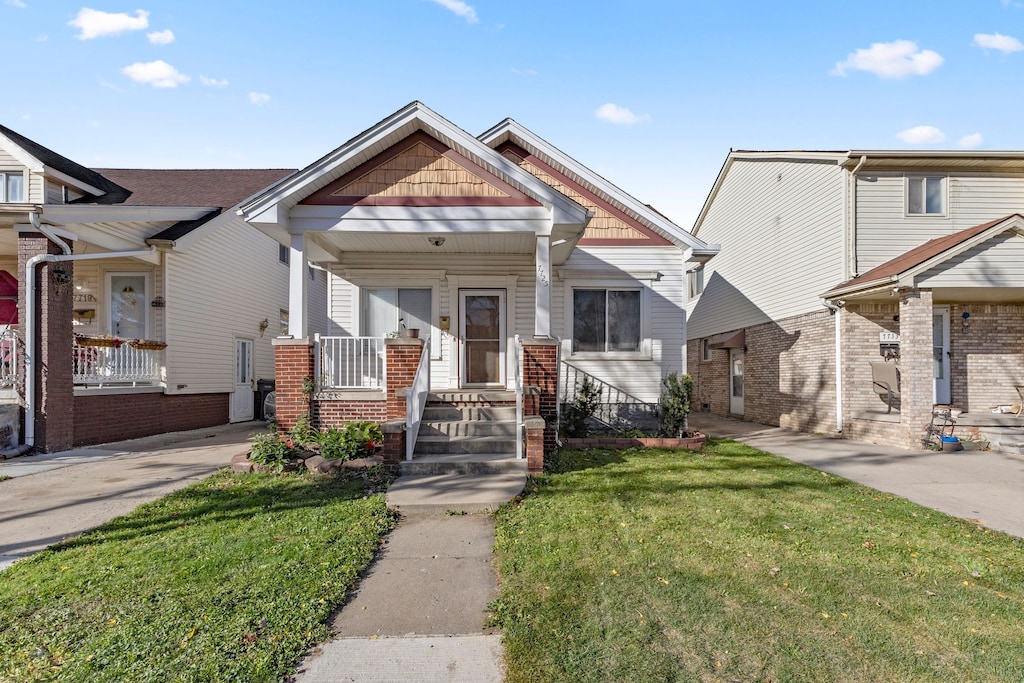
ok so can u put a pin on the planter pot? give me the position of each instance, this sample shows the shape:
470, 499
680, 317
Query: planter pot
411, 333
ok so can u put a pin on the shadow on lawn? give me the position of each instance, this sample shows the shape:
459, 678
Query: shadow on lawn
224, 497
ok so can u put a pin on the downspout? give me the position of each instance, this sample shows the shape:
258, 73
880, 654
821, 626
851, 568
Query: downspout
31, 311
834, 310
852, 238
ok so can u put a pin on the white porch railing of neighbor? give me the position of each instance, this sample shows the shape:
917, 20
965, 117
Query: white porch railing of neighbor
517, 352
107, 365
350, 362
10, 344
416, 401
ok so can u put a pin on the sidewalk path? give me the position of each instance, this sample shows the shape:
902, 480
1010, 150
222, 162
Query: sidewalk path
982, 486
59, 501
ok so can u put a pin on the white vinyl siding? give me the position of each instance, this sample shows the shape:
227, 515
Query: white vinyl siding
780, 224
884, 231
221, 288
998, 262
91, 293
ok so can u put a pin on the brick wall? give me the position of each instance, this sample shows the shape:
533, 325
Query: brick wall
116, 417
334, 413
540, 370
988, 359
917, 374
403, 359
293, 365
710, 379
862, 323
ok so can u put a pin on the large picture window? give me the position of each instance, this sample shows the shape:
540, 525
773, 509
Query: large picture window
606, 320
387, 310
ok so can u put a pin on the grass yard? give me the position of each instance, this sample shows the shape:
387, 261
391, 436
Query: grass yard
230, 579
736, 565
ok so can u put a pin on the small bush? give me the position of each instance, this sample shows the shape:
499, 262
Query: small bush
270, 451
675, 404
355, 440
303, 433
582, 408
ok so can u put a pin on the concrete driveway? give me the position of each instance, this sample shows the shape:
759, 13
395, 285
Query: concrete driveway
981, 486
56, 496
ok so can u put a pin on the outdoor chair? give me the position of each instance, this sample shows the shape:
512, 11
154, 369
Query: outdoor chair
885, 381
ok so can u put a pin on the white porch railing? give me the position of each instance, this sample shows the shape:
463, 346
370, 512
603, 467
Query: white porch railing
416, 400
350, 362
106, 365
10, 350
517, 375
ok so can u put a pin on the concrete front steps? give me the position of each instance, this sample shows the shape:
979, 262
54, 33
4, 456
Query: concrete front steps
465, 456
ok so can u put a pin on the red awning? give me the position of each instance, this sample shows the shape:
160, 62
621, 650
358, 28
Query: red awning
729, 340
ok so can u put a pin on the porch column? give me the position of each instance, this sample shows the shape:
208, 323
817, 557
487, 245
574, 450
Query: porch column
298, 287
55, 394
917, 378
402, 357
293, 374
542, 296
540, 371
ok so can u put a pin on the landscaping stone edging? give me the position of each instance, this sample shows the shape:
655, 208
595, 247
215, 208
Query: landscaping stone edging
314, 463
692, 443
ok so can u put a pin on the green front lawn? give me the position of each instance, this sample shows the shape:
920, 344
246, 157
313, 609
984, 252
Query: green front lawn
230, 579
736, 565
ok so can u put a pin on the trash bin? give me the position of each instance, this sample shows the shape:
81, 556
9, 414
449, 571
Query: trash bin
263, 387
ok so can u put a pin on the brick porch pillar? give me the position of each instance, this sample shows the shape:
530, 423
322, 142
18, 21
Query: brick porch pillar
917, 381
540, 370
54, 368
402, 358
293, 366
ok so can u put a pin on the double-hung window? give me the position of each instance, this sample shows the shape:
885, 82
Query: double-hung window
606, 320
12, 186
388, 310
695, 281
926, 196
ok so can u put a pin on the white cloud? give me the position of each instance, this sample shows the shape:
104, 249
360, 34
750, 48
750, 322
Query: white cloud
898, 59
997, 41
16, 3
972, 141
165, 37
259, 98
459, 8
921, 135
158, 74
613, 113
95, 24
213, 82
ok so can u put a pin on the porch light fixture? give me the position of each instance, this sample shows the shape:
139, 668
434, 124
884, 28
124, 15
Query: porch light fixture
436, 241
966, 324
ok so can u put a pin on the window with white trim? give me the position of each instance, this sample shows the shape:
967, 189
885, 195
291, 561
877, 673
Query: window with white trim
926, 196
283, 254
695, 281
705, 350
606, 320
388, 310
12, 186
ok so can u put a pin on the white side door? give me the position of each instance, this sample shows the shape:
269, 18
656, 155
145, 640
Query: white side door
736, 381
242, 397
940, 353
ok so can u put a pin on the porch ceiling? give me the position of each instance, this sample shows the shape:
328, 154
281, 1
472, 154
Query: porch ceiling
420, 243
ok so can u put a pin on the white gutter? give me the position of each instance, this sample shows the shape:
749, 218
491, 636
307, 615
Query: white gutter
31, 311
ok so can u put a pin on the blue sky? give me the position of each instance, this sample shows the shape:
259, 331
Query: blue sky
650, 94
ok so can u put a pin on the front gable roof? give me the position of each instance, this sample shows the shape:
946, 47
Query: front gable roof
414, 118
623, 218
903, 269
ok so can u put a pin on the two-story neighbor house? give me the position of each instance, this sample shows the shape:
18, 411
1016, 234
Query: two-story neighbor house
138, 301
840, 269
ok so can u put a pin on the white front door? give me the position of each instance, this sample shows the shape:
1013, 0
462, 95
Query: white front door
736, 381
482, 331
242, 398
940, 353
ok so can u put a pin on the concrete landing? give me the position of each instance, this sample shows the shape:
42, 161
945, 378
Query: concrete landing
441, 493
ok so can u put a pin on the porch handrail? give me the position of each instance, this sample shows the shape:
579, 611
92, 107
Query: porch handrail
349, 362
416, 401
518, 379
612, 396
106, 365
9, 343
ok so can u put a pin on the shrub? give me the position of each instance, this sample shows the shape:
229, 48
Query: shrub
582, 408
355, 440
675, 403
303, 433
270, 451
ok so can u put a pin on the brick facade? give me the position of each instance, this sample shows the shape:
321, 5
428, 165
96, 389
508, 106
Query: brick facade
540, 371
987, 358
402, 357
54, 414
116, 417
330, 412
293, 367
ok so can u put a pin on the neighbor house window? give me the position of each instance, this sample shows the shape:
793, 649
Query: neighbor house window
605, 320
388, 310
283, 254
925, 196
12, 186
284, 322
695, 281
705, 349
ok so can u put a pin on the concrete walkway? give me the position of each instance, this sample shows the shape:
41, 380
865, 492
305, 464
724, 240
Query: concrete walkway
77, 490
982, 486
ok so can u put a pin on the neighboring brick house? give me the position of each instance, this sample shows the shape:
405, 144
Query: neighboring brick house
111, 265
833, 260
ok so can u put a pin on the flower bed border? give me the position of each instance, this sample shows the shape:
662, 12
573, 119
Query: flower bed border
693, 443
